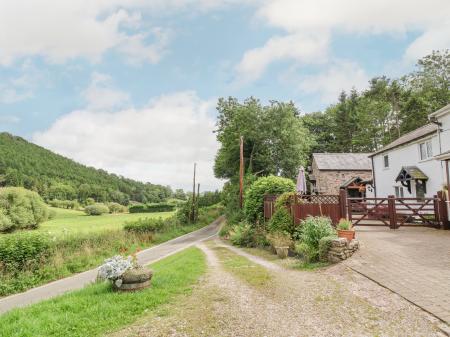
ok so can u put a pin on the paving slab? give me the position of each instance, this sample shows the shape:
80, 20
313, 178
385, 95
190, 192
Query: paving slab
413, 262
79, 281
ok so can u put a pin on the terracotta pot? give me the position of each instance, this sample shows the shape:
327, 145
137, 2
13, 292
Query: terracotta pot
282, 252
348, 234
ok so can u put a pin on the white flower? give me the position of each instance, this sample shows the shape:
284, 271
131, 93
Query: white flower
114, 268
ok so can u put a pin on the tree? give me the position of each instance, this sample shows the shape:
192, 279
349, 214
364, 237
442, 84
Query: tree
275, 140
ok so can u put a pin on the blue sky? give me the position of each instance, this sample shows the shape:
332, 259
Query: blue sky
130, 85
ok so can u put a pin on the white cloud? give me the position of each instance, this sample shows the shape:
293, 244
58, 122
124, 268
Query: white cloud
64, 30
21, 85
101, 95
312, 22
158, 143
342, 75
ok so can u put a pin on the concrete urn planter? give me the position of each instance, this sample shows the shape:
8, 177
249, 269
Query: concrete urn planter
282, 252
134, 279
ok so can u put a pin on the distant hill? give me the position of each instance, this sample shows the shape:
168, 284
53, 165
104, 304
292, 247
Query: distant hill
56, 177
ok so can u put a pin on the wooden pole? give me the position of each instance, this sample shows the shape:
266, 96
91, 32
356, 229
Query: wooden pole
192, 215
196, 204
241, 172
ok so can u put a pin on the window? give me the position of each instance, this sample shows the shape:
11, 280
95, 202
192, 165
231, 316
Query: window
386, 161
399, 193
426, 150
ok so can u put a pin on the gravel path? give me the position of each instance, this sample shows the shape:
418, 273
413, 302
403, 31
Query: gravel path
331, 302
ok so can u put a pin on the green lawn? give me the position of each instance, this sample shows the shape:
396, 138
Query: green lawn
96, 309
70, 221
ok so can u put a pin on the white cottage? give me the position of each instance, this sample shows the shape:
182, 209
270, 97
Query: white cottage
416, 164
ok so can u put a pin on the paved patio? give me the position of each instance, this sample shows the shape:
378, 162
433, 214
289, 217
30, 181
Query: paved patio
413, 262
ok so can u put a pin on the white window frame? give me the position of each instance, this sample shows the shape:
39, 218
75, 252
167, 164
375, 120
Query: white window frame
399, 191
427, 147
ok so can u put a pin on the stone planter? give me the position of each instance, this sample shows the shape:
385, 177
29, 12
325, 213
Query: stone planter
135, 279
347, 234
282, 252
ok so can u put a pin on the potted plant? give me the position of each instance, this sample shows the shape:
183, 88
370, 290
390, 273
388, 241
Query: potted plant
281, 242
345, 229
125, 273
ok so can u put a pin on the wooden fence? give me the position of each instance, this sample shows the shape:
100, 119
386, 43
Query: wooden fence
393, 212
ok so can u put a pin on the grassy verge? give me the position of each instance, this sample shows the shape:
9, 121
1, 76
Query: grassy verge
291, 263
97, 309
77, 252
250, 272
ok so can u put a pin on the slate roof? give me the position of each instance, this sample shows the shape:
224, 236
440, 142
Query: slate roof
343, 161
409, 137
411, 173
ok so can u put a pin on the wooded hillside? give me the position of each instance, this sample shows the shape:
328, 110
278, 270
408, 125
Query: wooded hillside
56, 177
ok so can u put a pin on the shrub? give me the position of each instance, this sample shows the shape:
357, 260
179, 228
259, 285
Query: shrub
315, 228
21, 250
21, 209
148, 225
254, 197
68, 204
284, 200
324, 247
309, 253
96, 209
281, 221
242, 235
115, 207
344, 224
152, 208
279, 239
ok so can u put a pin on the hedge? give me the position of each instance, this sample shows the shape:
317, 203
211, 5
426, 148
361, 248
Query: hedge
152, 208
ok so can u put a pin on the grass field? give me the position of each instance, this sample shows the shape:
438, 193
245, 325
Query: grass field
68, 221
97, 309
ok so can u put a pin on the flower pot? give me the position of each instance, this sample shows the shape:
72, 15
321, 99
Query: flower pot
282, 252
134, 279
348, 234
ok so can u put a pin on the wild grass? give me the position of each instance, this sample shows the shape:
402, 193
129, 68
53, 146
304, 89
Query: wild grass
251, 273
96, 309
68, 221
75, 252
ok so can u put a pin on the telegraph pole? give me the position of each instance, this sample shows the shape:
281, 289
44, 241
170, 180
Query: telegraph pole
241, 173
192, 215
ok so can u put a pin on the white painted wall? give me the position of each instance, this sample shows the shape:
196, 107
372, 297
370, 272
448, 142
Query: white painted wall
445, 134
408, 155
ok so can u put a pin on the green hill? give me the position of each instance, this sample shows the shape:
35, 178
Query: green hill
56, 177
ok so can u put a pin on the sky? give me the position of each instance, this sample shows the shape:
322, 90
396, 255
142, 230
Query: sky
130, 86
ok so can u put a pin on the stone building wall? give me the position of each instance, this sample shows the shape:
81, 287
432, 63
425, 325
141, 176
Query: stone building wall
329, 182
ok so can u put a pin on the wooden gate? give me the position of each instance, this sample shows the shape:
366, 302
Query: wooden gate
395, 212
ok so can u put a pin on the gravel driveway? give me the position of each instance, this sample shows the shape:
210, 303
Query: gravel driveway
332, 302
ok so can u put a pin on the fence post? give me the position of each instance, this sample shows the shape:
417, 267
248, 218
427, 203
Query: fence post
442, 211
343, 203
392, 212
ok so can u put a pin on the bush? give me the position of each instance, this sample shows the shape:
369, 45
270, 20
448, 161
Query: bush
279, 239
152, 208
254, 197
67, 204
324, 247
148, 225
242, 235
21, 250
115, 207
281, 221
313, 229
344, 224
21, 209
96, 209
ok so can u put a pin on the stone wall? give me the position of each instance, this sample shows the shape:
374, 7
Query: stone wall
329, 182
341, 249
